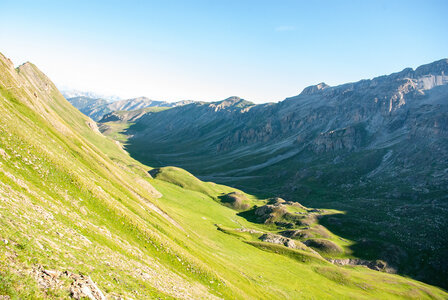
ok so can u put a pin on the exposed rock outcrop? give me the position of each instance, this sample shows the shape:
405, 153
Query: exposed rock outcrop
92, 125
278, 239
314, 88
348, 139
377, 265
81, 286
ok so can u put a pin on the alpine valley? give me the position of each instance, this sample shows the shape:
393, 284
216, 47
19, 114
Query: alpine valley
335, 193
376, 149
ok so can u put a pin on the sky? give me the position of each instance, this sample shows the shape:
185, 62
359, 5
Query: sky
262, 51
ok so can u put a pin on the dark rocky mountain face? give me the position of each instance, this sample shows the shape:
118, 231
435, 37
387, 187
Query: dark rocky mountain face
97, 108
377, 149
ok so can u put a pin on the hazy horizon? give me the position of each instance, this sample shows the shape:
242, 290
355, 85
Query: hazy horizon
113, 98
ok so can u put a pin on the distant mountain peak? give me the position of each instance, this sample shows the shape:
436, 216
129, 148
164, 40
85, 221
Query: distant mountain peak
437, 67
233, 98
141, 98
314, 88
232, 101
27, 63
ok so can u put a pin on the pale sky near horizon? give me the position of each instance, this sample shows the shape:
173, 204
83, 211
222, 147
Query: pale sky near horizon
261, 51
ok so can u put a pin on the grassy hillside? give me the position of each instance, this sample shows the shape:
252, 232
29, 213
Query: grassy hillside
77, 211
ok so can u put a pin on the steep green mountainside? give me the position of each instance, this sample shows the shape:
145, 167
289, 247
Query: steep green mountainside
80, 218
376, 149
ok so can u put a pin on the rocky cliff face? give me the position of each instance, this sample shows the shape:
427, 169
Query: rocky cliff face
349, 138
369, 114
379, 103
380, 142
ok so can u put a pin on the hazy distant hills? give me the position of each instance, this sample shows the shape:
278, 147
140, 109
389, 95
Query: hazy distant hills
96, 108
72, 93
377, 149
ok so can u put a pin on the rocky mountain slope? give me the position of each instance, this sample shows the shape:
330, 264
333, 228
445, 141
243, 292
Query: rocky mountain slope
97, 108
377, 149
81, 219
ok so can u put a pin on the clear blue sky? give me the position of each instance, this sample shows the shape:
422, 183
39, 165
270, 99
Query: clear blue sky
209, 50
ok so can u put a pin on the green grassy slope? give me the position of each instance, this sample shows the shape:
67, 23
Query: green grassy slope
73, 200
